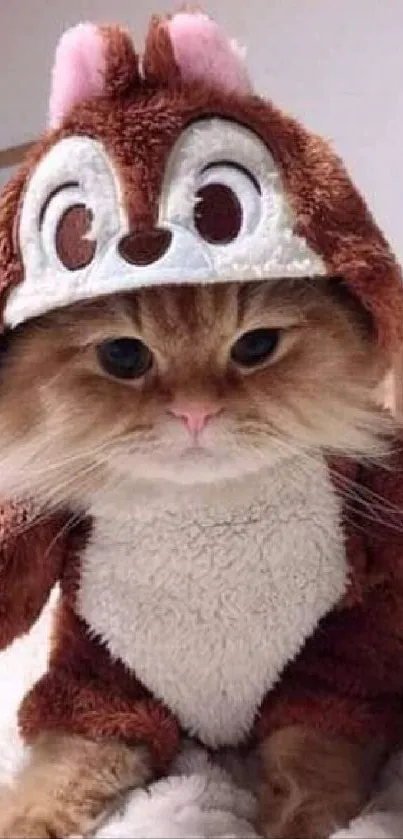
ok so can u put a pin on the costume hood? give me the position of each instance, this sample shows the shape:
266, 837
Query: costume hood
169, 170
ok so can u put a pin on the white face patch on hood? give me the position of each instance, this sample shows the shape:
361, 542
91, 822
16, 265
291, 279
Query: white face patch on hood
223, 216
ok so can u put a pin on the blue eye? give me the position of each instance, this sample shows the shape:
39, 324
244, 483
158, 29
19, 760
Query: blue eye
255, 347
124, 358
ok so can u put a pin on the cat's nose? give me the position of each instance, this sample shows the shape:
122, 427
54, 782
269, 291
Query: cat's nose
195, 416
146, 247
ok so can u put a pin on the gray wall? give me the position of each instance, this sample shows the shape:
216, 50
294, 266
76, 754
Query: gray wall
337, 64
5, 174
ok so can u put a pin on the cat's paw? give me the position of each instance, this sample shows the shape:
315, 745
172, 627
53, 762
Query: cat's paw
69, 786
311, 785
282, 816
29, 819
31, 825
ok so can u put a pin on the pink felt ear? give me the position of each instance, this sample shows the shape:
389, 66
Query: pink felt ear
204, 53
78, 71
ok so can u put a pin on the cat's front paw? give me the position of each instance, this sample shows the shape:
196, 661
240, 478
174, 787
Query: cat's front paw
28, 824
69, 786
311, 784
27, 817
282, 818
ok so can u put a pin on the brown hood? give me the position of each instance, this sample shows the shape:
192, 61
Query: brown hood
139, 117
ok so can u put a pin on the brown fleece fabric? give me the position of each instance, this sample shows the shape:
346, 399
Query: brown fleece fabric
31, 558
347, 680
85, 691
121, 61
62, 701
159, 65
138, 129
348, 677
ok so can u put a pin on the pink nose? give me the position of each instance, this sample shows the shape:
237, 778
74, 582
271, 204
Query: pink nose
195, 415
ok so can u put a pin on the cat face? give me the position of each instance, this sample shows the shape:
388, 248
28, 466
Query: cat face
154, 255
186, 385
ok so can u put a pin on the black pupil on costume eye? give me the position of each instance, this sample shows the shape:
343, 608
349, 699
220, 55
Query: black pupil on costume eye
254, 347
218, 214
124, 358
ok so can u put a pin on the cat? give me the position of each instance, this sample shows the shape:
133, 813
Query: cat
273, 367
185, 392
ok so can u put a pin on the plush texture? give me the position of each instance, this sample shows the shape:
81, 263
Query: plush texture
90, 60
78, 72
88, 259
202, 52
346, 679
138, 121
201, 797
113, 166
222, 600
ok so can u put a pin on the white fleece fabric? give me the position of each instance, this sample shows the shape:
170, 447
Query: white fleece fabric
78, 171
200, 799
197, 599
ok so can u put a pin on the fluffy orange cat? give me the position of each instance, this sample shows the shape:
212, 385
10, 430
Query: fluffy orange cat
265, 370
198, 314
163, 388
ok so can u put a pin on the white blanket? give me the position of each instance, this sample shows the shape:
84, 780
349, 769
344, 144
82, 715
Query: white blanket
199, 799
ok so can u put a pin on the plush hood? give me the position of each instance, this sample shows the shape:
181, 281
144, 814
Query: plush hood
170, 170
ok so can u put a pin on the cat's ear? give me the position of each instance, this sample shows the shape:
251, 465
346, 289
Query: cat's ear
90, 61
192, 47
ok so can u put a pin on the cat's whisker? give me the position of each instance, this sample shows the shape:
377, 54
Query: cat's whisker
361, 500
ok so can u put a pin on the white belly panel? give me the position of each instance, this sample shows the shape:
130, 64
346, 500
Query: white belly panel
207, 604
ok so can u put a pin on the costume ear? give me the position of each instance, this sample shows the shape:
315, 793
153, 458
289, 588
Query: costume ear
90, 61
192, 47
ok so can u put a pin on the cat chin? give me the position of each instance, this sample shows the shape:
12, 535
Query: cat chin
197, 475
197, 467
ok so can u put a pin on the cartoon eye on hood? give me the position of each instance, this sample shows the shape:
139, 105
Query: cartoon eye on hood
176, 173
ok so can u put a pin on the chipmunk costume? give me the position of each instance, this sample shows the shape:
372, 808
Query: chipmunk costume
224, 617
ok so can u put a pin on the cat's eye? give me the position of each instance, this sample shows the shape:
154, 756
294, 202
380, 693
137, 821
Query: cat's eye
255, 347
227, 202
125, 358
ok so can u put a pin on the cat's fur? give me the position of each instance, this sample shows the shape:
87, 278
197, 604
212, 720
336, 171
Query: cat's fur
133, 143
78, 432
78, 436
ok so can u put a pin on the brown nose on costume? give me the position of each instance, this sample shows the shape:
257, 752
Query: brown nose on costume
146, 247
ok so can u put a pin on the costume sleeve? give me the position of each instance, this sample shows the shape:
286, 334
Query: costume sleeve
30, 560
88, 692
348, 679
